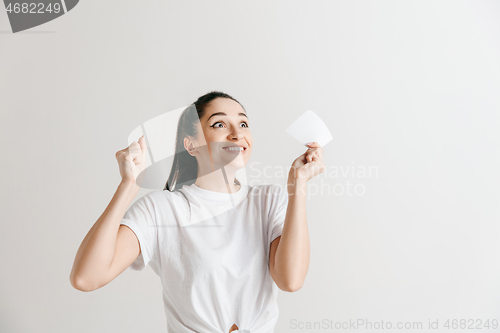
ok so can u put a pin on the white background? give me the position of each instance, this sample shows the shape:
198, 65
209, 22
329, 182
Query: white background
410, 87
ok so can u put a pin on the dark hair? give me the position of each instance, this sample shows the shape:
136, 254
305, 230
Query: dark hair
185, 167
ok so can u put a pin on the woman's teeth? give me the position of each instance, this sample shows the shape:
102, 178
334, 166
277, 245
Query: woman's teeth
234, 148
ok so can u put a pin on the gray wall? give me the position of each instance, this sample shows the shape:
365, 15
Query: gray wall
408, 88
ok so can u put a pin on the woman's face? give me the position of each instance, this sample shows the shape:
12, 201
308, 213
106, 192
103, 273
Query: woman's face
222, 130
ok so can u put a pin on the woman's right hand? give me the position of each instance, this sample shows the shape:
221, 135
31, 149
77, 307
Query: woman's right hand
132, 160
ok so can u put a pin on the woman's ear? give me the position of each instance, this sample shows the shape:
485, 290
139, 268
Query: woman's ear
189, 146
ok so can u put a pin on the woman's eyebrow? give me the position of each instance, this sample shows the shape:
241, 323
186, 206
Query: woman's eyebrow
224, 114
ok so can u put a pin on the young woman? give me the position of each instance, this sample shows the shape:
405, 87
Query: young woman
221, 248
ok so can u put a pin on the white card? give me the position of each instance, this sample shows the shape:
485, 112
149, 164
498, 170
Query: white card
310, 128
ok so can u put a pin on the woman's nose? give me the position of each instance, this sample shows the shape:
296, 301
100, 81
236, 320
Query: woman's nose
236, 134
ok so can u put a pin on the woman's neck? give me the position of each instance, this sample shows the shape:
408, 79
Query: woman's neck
216, 182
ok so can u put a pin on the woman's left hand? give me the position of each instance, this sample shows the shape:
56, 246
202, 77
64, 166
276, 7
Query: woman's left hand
309, 164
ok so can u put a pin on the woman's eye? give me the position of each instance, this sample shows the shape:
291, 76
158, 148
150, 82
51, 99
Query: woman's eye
215, 124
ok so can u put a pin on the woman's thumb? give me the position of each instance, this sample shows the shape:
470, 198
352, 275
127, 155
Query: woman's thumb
142, 143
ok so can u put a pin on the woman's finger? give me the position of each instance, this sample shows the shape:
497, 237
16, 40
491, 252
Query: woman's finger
311, 152
141, 157
134, 150
320, 152
313, 145
316, 146
311, 156
142, 144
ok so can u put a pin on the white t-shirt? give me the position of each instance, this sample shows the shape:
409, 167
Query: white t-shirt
211, 251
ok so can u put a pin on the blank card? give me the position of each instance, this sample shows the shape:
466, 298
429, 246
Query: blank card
310, 128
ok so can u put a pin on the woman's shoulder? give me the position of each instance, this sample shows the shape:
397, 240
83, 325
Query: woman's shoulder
158, 197
166, 203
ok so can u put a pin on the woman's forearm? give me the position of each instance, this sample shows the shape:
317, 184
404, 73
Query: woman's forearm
293, 252
96, 252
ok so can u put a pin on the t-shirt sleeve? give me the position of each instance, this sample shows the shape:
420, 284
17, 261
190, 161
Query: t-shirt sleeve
141, 219
277, 212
